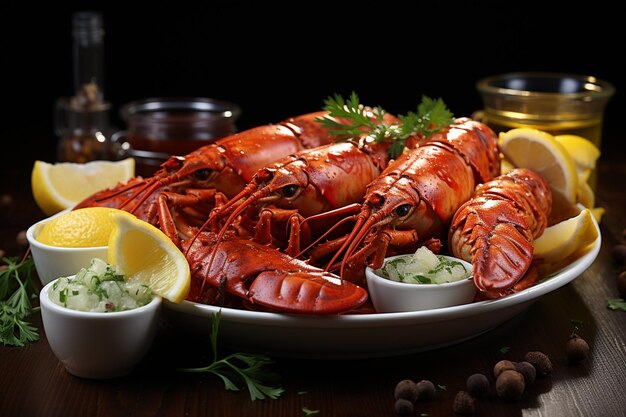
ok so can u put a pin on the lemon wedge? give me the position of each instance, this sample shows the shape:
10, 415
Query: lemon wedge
566, 238
541, 152
59, 186
83, 228
583, 152
147, 255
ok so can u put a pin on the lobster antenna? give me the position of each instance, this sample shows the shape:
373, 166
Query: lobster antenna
356, 231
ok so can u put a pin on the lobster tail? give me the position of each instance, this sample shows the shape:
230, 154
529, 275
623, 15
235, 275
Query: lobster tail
495, 229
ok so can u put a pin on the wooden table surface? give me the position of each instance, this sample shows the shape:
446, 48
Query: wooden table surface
34, 383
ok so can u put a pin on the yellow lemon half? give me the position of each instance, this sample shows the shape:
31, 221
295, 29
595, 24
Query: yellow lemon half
566, 238
541, 152
146, 254
83, 228
59, 186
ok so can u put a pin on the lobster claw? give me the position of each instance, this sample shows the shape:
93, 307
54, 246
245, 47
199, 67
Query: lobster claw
297, 292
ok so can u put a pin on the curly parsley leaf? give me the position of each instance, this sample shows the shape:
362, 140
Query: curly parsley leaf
16, 290
350, 119
250, 369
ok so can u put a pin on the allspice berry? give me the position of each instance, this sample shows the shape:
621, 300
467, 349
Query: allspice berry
541, 362
576, 349
510, 385
527, 370
407, 390
621, 284
403, 407
501, 366
477, 385
426, 390
464, 404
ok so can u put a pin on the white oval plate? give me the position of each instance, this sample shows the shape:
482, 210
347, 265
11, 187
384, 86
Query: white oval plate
366, 335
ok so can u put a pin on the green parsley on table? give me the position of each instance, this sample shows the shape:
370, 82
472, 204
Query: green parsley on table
16, 290
241, 367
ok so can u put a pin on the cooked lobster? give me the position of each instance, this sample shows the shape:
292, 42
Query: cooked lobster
263, 277
495, 230
184, 190
414, 199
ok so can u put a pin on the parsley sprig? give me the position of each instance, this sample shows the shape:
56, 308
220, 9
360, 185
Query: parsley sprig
237, 367
16, 290
431, 116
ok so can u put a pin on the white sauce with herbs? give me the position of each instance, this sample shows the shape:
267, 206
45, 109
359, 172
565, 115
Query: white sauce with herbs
99, 288
423, 267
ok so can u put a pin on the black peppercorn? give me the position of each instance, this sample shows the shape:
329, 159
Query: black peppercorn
510, 385
576, 349
527, 370
407, 390
403, 407
464, 404
477, 385
425, 390
540, 361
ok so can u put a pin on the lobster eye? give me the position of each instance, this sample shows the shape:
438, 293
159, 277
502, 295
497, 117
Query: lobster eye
290, 190
202, 174
403, 210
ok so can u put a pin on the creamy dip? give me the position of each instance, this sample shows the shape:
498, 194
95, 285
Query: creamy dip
99, 288
423, 267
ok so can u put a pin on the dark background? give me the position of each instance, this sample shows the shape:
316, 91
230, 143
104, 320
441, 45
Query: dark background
277, 61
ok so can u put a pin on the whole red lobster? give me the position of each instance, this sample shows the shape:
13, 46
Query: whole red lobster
181, 194
414, 199
496, 228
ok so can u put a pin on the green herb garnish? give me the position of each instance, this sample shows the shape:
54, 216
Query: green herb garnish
249, 368
617, 304
308, 412
431, 116
16, 290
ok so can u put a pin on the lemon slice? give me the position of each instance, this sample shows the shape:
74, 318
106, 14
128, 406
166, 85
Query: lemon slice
541, 152
83, 228
562, 240
147, 255
62, 185
583, 152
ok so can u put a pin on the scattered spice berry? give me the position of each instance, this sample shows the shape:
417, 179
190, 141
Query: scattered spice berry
577, 349
21, 238
619, 253
6, 200
501, 366
527, 370
403, 407
464, 404
510, 385
407, 390
477, 385
621, 284
426, 390
540, 361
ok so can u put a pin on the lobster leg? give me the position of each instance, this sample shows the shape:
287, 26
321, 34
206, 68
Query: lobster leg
168, 200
